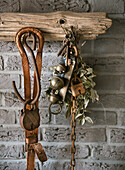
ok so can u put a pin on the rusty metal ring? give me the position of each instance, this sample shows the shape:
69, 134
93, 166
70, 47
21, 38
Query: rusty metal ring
27, 102
58, 111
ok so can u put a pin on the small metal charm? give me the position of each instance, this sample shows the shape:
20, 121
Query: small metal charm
77, 88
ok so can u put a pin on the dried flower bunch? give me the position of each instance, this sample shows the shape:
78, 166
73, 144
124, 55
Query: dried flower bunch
86, 74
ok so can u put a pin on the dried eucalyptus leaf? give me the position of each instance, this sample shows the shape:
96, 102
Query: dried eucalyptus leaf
93, 95
93, 84
96, 96
83, 43
89, 70
68, 113
83, 121
86, 102
83, 65
79, 115
81, 74
89, 120
87, 83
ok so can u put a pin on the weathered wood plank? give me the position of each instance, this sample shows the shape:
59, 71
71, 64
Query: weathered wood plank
87, 25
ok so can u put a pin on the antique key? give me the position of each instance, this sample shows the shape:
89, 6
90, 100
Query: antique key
30, 119
77, 88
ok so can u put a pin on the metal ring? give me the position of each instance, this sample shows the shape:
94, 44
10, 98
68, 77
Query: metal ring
58, 111
27, 102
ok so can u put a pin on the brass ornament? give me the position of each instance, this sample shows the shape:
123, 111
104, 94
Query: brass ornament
56, 83
53, 98
61, 68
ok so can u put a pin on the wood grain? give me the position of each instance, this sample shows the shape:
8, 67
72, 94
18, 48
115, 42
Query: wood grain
86, 25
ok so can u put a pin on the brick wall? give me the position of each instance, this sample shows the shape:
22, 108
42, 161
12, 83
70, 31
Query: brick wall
99, 147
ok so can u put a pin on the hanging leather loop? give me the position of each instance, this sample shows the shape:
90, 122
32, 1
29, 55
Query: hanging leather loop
25, 33
22, 35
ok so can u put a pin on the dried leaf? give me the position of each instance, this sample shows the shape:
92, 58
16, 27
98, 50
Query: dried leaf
79, 115
94, 95
89, 120
67, 114
83, 121
89, 70
86, 102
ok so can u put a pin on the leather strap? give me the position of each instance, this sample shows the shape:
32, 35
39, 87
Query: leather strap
27, 85
39, 151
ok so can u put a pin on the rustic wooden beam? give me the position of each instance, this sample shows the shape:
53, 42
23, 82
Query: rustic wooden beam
87, 25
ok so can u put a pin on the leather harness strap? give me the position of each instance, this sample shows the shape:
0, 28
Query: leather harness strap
31, 137
39, 151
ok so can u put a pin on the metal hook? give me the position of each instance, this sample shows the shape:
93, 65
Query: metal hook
35, 68
26, 33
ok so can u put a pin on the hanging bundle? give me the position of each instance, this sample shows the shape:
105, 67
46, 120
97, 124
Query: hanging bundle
72, 85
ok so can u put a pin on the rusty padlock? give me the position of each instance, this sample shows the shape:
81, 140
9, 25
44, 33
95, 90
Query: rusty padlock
77, 87
30, 119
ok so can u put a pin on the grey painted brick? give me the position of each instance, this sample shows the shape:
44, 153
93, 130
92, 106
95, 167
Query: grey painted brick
117, 27
17, 165
55, 134
98, 117
106, 64
121, 118
104, 152
11, 151
57, 165
110, 101
91, 135
52, 47
44, 116
1, 99
109, 46
7, 116
9, 6
43, 102
103, 118
1, 63
6, 47
61, 118
122, 83
61, 151
12, 63
12, 134
12, 100
107, 82
99, 166
112, 6
86, 48
117, 135
6, 81
45, 6
49, 61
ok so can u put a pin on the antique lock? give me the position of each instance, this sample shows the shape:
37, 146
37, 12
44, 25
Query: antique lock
30, 119
56, 83
77, 88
